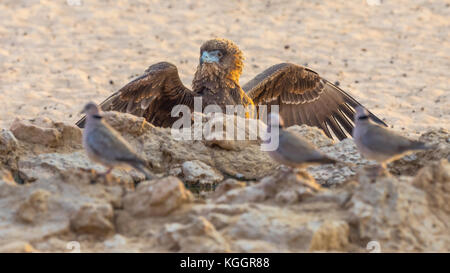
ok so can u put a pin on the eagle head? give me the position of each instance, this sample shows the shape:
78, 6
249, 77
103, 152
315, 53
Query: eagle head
221, 61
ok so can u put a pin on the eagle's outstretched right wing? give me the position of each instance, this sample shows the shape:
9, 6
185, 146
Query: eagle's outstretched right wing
152, 95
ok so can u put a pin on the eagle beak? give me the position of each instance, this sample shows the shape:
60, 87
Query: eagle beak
209, 57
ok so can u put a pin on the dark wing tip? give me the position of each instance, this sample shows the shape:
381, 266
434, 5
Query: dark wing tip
81, 122
354, 103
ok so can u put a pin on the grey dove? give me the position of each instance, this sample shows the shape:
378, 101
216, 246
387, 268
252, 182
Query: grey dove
104, 145
378, 143
293, 150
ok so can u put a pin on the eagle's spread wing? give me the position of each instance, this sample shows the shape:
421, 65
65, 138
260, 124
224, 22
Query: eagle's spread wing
151, 95
305, 98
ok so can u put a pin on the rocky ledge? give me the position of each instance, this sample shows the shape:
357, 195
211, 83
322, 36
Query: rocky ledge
52, 201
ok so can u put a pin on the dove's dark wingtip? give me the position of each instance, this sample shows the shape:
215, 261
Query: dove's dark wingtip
81, 122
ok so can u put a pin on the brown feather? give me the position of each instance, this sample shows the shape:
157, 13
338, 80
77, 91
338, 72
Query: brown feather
160, 85
302, 92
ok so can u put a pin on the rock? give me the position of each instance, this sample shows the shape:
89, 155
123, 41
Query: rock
157, 197
250, 163
116, 242
196, 172
46, 132
227, 185
6, 180
285, 187
26, 131
440, 149
8, 142
70, 166
313, 134
32, 212
286, 229
128, 123
231, 132
334, 174
50, 195
95, 219
393, 212
331, 236
434, 179
219, 220
17, 247
254, 246
34, 207
9, 148
197, 236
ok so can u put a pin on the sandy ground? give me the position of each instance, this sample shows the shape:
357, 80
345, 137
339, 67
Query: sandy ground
394, 57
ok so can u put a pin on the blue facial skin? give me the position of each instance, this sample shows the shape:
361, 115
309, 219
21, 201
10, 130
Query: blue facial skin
210, 57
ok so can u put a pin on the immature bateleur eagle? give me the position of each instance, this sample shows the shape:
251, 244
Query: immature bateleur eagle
302, 95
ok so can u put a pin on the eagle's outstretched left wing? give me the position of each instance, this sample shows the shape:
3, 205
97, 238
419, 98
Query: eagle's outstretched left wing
305, 98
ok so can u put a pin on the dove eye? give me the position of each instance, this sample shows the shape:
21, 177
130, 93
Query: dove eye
219, 54
363, 117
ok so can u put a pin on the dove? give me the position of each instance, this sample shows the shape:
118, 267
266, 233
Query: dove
378, 143
293, 150
104, 145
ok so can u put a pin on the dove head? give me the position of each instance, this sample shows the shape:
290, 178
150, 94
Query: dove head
91, 109
361, 115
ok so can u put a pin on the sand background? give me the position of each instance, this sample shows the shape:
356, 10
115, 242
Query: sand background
394, 57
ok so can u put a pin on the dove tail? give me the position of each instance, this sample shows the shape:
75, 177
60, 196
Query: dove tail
418, 145
328, 160
81, 122
325, 160
140, 167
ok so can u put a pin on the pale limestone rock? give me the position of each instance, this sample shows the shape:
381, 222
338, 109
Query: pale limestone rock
219, 220
231, 132
434, 179
6, 181
284, 228
285, 187
9, 150
116, 242
95, 219
344, 151
28, 132
157, 197
254, 246
313, 134
127, 123
68, 165
31, 212
331, 236
34, 207
278, 211
17, 247
401, 216
166, 154
409, 165
8, 142
197, 172
46, 132
199, 235
227, 185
